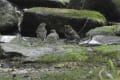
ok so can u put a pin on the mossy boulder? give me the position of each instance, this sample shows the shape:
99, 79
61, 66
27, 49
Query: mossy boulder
110, 8
56, 18
8, 18
40, 3
105, 30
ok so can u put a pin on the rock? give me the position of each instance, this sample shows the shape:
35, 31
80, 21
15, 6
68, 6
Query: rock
90, 42
42, 3
7, 38
8, 16
111, 10
31, 53
107, 39
102, 40
105, 30
56, 18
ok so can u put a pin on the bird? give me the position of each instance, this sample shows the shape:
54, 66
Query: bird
70, 33
52, 36
41, 31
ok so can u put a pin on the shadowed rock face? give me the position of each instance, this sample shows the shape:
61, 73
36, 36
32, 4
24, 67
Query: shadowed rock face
110, 8
42, 3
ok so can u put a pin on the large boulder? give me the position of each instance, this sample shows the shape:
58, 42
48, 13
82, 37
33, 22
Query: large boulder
56, 18
105, 30
42, 3
110, 8
8, 16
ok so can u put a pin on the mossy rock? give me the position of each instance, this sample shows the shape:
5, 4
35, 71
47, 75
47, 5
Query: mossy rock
105, 30
111, 10
56, 18
40, 3
8, 18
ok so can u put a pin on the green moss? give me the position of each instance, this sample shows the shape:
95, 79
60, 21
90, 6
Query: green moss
104, 55
72, 54
80, 74
111, 51
95, 16
105, 30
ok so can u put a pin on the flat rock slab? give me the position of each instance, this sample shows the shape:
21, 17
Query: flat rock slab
101, 40
31, 53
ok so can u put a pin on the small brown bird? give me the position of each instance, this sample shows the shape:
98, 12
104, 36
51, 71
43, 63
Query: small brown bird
53, 36
70, 33
41, 31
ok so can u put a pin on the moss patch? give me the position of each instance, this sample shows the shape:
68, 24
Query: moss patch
72, 54
71, 13
80, 74
111, 51
104, 55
